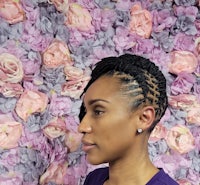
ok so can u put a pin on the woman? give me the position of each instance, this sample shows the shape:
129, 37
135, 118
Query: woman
122, 103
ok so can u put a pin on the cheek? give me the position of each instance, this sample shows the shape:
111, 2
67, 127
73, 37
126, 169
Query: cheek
115, 132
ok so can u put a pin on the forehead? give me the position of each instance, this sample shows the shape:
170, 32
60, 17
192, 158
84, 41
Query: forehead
104, 87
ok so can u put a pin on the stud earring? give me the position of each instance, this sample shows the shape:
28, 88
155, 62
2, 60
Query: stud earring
139, 130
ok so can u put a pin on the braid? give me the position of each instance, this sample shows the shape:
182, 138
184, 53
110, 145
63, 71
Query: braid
140, 78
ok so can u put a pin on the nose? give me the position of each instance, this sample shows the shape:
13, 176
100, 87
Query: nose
84, 126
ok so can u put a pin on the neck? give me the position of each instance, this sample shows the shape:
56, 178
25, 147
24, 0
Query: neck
134, 169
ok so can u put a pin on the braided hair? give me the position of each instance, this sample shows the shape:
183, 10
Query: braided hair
139, 77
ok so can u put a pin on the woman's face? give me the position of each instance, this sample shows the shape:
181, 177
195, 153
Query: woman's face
108, 126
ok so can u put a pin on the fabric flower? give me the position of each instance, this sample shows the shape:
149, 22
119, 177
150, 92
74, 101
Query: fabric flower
31, 102
56, 54
162, 20
55, 173
61, 5
31, 165
11, 89
11, 11
78, 17
33, 37
193, 114
158, 133
184, 182
183, 42
60, 106
182, 61
185, 19
182, 101
103, 18
11, 178
55, 128
74, 88
183, 83
141, 21
73, 141
73, 73
10, 68
10, 133
180, 139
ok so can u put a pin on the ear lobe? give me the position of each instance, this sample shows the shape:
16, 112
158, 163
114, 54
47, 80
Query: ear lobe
147, 117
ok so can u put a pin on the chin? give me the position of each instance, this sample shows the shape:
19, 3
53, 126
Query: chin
95, 160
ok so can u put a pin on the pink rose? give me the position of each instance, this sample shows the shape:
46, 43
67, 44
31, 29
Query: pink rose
182, 61
74, 88
73, 141
11, 90
10, 132
55, 173
31, 102
182, 101
57, 54
141, 21
193, 114
184, 182
158, 133
73, 73
180, 139
55, 128
61, 5
78, 17
11, 11
10, 68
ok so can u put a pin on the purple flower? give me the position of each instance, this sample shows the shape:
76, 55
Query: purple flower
162, 20
159, 4
197, 90
88, 4
183, 42
182, 84
185, 21
36, 141
34, 38
142, 46
185, 2
9, 158
52, 79
60, 106
103, 19
164, 40
104, 4
31, 165
7, 104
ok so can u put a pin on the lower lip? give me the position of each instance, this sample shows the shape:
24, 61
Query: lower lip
86, 148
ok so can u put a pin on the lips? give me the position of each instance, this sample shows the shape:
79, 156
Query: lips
87, 146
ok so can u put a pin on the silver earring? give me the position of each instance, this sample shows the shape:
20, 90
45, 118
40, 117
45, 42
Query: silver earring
139, 130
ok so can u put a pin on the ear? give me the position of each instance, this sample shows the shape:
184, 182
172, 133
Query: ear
147, 117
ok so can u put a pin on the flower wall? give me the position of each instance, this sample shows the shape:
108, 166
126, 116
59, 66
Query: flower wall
47, 51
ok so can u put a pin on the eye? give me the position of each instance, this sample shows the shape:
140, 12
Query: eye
98, 112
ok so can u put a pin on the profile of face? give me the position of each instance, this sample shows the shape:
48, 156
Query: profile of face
109, 126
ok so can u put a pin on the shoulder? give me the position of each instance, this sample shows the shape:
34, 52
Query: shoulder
97, 177
162, 178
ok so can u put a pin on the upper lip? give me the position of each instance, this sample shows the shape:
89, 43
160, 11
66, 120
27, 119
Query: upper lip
87, 142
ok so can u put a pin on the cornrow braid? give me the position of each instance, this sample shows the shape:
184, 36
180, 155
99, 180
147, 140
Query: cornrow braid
140, 78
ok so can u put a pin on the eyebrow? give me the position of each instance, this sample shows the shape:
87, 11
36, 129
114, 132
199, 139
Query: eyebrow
97, 100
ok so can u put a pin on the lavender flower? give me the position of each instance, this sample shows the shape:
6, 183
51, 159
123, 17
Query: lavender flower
31, 165
163, 40
104, 4
7, 104
185, 2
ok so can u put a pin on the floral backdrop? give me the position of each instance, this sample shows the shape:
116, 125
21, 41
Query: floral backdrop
47, 51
